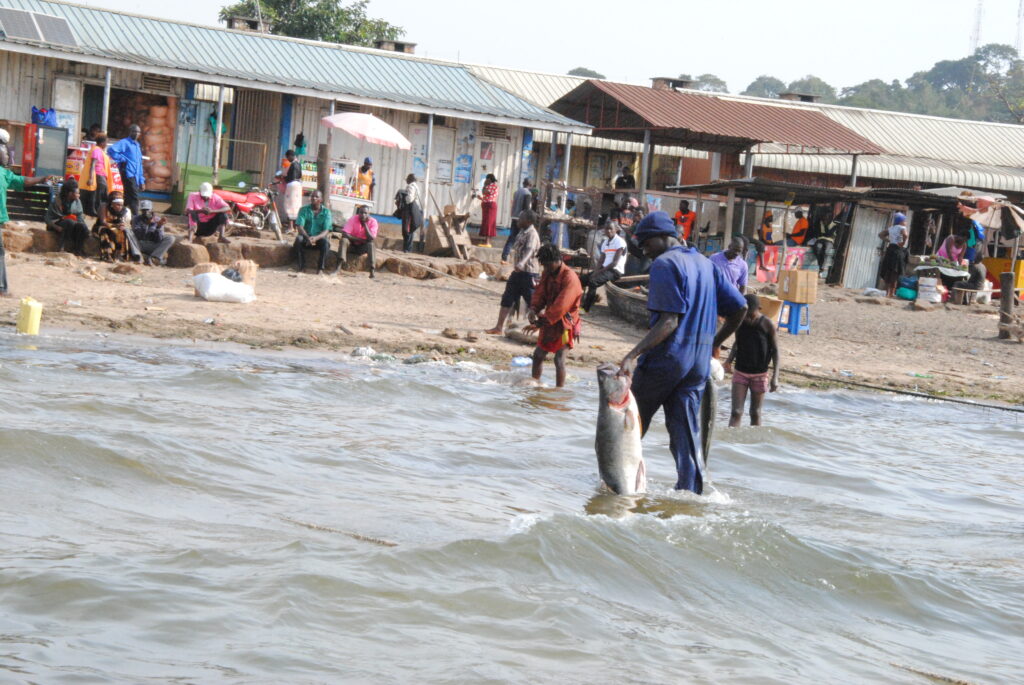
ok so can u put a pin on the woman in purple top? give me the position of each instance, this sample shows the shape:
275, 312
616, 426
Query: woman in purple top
733, 263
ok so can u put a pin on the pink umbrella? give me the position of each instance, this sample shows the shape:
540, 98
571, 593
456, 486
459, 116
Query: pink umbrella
369, 128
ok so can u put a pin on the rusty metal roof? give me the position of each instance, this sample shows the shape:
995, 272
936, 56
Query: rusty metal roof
706, 121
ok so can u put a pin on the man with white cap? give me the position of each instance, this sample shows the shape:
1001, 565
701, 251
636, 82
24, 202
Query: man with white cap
5, 152
149, 234
207, 214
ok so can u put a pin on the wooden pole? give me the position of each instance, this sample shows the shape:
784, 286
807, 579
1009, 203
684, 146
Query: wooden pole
426, 186
323, 171
644, 167
1006, 298
217, 134
323, 180
106, 101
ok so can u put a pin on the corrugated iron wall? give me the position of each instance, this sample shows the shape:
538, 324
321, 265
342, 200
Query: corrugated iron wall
862, 258
257, 119
392, 165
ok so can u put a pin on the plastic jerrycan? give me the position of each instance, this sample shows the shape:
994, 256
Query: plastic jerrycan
29, 316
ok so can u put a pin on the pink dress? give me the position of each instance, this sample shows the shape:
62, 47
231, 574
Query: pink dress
489, 209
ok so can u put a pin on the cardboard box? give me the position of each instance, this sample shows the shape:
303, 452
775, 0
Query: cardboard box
771, 307
800, 286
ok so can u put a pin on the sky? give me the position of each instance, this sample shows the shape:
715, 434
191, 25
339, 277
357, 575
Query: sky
843, 42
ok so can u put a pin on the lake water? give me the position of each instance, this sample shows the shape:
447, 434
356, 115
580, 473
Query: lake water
210, 514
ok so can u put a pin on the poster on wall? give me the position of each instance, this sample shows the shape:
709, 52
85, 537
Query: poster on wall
597, 171
464, 169
528, 165
444, 170
441, 151
486, 151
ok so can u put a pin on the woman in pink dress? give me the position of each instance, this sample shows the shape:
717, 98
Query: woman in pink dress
489, 208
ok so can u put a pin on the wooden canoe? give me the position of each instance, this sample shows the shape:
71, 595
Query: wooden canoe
625, 303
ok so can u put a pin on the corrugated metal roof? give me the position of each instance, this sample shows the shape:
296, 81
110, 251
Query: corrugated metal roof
690, 117
921, 135
899, 168
539, 88
269, 62
956, 140
921, 148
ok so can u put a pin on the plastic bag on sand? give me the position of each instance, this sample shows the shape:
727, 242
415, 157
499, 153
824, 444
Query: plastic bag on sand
216, 288
873, 292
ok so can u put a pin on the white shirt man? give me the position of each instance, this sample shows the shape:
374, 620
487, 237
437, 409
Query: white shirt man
612, 259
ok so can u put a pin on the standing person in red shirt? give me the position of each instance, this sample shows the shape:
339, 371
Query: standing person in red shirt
555, 311
489, 209
684, 219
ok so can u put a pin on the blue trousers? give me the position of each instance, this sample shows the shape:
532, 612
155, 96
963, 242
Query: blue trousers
681, 403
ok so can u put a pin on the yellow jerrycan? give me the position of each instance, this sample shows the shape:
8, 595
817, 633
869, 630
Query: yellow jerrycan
29, 316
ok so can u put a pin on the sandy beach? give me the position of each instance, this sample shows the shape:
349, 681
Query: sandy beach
952, 351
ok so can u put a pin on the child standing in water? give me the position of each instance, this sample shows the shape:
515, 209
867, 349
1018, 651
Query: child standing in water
754, 349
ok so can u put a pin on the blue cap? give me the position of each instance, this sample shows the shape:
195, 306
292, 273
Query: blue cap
367, 161
655, 223
900, 218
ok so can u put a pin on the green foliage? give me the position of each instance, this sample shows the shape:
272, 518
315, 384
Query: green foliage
710, 83
986, 86
812, 85
765, 87
326, 20
585, 73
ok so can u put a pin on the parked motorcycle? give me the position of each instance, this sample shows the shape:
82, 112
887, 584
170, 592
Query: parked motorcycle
253, 209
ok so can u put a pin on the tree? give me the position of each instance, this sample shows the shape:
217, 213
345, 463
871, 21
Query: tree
875, 94
812, 85
326, 20
585, 73
709, 83
765, 87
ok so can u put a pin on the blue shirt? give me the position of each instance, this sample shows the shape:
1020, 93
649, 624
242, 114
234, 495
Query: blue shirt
686, 283
128, 152
976, 237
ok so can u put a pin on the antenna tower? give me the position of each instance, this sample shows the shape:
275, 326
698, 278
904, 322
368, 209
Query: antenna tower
976, 33
1020, 29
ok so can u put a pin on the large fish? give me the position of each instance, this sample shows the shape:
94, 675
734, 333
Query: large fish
708, 404
619, 454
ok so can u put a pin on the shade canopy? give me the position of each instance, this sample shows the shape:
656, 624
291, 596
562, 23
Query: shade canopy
369, 128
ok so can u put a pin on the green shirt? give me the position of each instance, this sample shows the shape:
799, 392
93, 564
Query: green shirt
8, 179
315, 224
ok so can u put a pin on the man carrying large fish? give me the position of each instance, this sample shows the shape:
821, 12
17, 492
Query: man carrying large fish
670, 366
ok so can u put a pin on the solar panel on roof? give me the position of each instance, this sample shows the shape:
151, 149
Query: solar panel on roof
18, 24
55, 29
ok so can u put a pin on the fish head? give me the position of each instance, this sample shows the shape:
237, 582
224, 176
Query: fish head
614, 388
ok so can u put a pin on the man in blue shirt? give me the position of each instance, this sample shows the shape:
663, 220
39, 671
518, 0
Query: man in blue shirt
673, 361
127, 154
